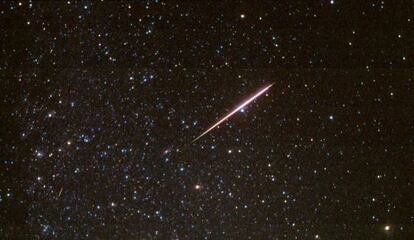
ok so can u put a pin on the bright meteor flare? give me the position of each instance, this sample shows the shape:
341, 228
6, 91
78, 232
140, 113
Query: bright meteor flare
260, 92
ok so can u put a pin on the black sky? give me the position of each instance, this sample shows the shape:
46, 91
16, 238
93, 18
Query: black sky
93, 93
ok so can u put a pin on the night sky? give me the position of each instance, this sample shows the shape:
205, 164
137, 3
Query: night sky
100, 102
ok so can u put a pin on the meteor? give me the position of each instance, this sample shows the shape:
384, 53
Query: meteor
256, 95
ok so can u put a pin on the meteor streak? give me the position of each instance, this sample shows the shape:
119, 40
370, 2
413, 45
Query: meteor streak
260, 92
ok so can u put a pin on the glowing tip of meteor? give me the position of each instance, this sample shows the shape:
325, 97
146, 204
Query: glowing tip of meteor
167, 151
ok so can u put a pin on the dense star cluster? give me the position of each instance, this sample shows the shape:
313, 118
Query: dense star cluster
100, 101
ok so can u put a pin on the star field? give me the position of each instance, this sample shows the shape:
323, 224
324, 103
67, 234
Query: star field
101, 100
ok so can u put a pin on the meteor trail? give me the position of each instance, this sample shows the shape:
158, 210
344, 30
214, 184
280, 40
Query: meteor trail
234, 111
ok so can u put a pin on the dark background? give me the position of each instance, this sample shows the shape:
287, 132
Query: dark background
93, 93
